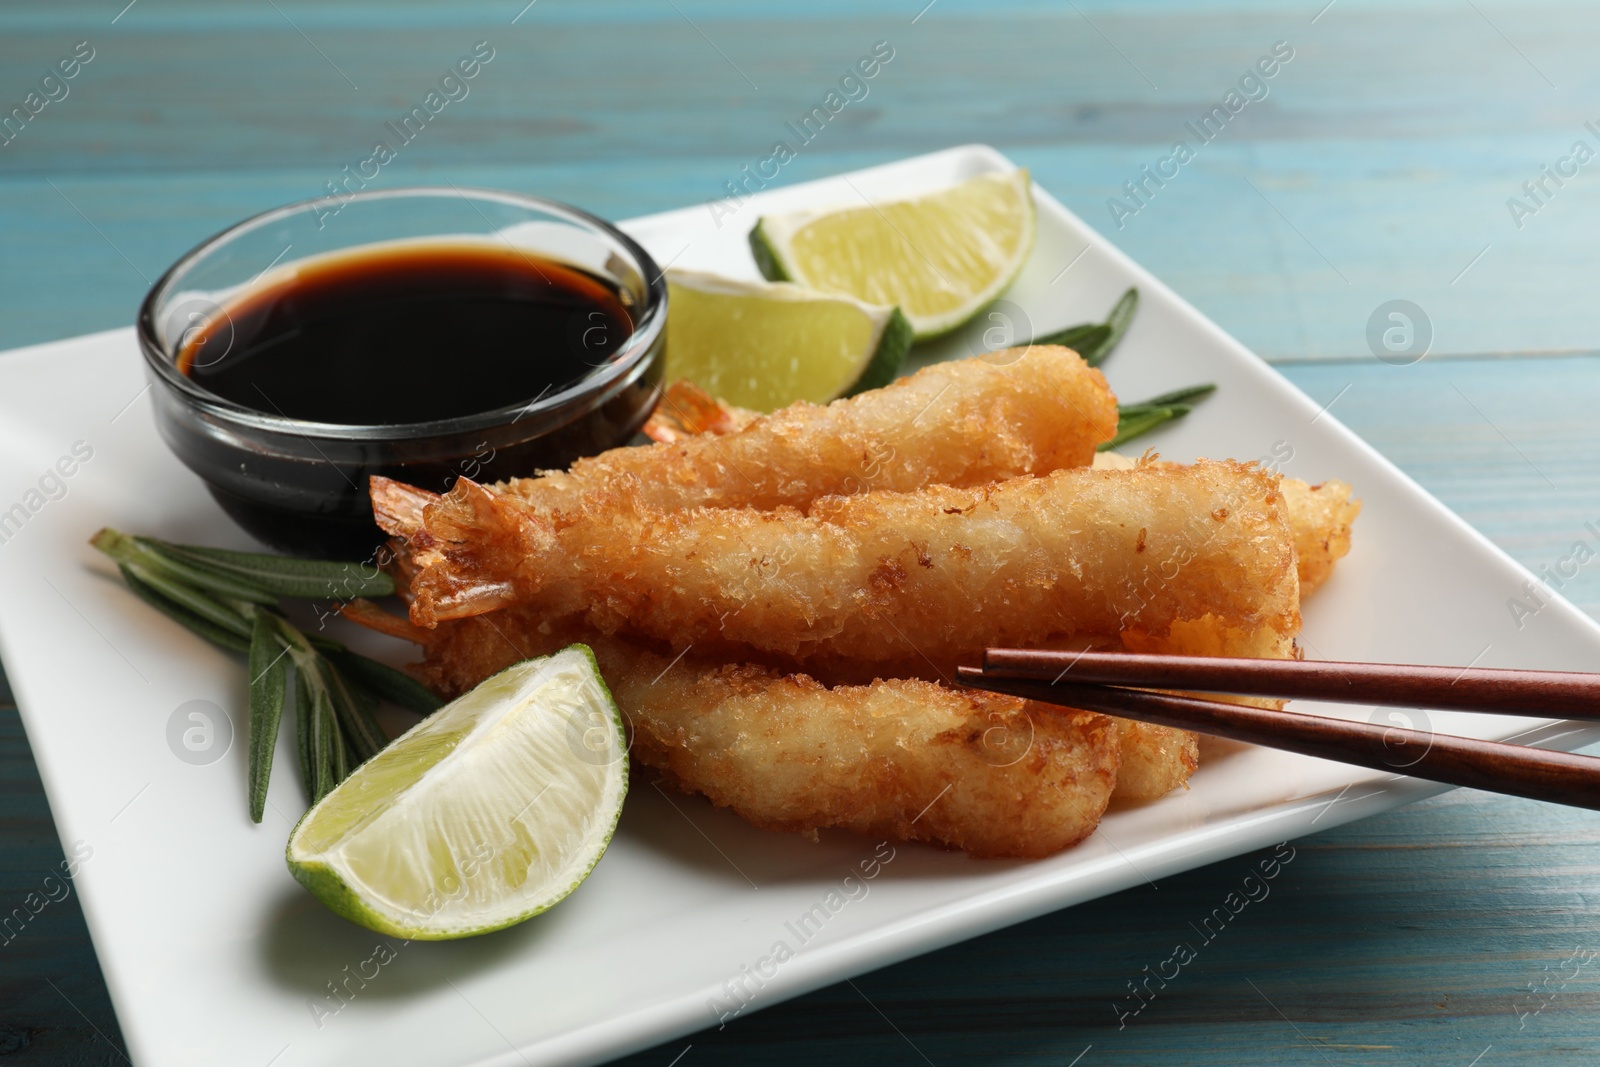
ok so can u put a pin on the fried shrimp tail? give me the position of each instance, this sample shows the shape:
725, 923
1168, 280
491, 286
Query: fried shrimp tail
687, 410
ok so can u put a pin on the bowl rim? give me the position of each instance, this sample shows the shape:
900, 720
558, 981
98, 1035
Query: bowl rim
629, 361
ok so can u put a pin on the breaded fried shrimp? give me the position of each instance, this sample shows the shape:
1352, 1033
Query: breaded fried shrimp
906, 759
879, 577
967, 422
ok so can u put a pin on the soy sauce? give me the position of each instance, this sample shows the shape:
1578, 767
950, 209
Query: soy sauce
409, 332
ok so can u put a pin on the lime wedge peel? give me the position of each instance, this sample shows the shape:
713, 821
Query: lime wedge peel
941, 257
486, 813
763, 345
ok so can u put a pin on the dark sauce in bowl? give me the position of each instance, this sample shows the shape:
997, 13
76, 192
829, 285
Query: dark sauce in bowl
410, 332
424, 360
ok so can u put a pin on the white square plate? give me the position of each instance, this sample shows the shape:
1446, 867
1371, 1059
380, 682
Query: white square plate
214, 955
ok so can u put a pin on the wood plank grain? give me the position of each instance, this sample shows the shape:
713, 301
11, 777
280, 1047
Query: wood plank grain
1381, 168
1511, 446
1046, 76
54, 1008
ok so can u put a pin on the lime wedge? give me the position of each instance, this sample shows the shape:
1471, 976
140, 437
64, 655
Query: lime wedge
764, 345
487, 812
940, 258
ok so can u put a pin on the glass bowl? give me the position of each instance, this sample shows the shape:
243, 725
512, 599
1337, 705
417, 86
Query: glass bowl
301, 486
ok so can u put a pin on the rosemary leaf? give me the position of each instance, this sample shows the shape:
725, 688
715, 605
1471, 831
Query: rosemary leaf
302, 731
343, 761
392, 685
203, 576
192, 599
285, 576
322, 644
269, 669
1117, 321
1144, 416
1095, 340
183, 616
361, 730
1138, 424
365, 698
1177, 396
1086, 336
315, 718
147, 554
328, 707
324, 737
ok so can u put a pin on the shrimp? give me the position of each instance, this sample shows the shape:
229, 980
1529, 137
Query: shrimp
883, 579
911, 760
968, 422
1321, 514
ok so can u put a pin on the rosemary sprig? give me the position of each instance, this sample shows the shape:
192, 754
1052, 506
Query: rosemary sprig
1119, 319
231, 599
282, 575
302, 737
1134, 420
1095, 340
269, 695
148, 557
183, 616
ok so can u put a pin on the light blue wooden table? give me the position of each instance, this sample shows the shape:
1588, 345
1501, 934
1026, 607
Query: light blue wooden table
1379, 166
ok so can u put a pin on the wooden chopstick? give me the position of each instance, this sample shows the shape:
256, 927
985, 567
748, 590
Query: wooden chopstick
1546, 694
1517, 770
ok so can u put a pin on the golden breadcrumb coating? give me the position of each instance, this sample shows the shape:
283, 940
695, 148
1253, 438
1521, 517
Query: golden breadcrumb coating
1155, 759
965, 422
1321, 516
907, 759
937, 574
